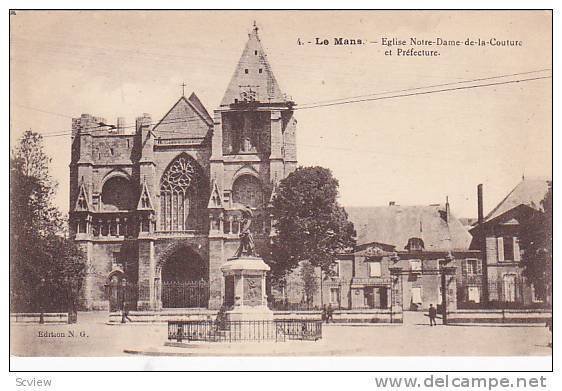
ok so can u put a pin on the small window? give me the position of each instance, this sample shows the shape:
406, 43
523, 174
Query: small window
416, 295
508, 248
375, 269
116, 258
255, 52
261, 70
111, 151
128, 143
471, 266
336, 269
246, 71
334, 296
474, 294
535, 296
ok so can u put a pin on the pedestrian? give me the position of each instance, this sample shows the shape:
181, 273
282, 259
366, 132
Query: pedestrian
324, 313
432, 315
549, 325
329, 313
125, 312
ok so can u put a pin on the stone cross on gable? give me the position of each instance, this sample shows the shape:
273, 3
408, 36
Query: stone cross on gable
183, 85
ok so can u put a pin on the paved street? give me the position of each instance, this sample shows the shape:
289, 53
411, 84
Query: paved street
413, 338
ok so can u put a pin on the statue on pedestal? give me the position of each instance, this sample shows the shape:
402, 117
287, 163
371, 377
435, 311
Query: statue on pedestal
247, 246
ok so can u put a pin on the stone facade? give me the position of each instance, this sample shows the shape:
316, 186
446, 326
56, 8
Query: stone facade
158, 203
398, 263
497, 236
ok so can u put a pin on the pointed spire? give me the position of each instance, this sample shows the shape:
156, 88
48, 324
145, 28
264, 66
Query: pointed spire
273, 194
253, 79
82, 202
215, 200
145, 201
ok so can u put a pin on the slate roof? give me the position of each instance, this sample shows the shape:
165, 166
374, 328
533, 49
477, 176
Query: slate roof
396, 224
187, 118
247, 75
528, 192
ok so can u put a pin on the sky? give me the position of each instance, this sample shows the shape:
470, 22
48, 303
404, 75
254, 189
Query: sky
413, 150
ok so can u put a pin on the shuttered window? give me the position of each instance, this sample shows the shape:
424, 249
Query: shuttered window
500, 249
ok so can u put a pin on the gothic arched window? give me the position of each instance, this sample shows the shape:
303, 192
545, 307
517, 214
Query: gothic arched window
116, 194
178, 195
247, 190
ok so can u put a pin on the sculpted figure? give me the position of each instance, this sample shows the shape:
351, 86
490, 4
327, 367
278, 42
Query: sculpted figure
247, 246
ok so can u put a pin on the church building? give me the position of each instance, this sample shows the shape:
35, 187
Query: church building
156, 207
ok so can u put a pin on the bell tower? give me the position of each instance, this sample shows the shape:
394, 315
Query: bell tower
253, 148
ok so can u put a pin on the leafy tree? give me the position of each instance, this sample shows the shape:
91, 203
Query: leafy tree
310, 224
536, 242
46, 269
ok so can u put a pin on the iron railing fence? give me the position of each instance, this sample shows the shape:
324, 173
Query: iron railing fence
185, 294
122, 296
507, 293
240, 331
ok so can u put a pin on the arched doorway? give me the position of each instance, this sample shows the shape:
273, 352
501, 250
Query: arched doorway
116, 290
184, 279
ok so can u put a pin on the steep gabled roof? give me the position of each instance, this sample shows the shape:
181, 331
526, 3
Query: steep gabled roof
529, 192
187, 117
253, 73
194, 100
395, 224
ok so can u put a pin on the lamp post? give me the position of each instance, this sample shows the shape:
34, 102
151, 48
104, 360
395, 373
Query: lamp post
42, 295
123, 294
448, 258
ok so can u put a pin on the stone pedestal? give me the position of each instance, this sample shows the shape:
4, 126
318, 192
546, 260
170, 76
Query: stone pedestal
245, 297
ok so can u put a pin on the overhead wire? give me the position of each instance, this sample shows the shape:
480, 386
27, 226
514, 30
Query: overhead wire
335, 102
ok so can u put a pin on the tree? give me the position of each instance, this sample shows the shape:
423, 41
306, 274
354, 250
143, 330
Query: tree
46, 269
310, 224
536, 241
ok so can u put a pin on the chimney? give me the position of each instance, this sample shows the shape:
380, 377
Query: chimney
447, 210
480, 205
120, 125
391, 203
483, 249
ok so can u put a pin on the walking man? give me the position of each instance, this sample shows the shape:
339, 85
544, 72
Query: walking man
432, 315
329, 313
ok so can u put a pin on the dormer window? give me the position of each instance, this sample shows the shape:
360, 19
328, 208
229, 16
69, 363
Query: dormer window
415, 244
336, 269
